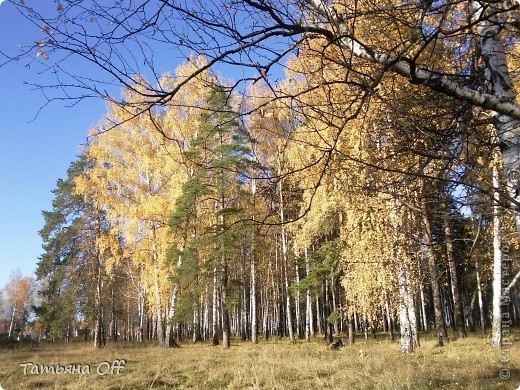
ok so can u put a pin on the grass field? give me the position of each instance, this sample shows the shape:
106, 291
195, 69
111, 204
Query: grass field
374, 364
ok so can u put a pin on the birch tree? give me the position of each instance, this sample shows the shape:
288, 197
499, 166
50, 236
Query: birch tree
19, 296
132, 180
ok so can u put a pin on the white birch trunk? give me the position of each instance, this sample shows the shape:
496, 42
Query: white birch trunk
297, 301
309, 331
266, 315
253, 298
407, 345
386, 313
480, 299
423, 307
334, 303
407, 318
411, 310
496, 326
246, 300
98, 320
500, 87
156, 274
142, 294
318, 315
11, 325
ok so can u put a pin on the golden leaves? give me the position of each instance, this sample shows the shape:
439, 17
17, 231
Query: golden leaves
136, 171
42, 53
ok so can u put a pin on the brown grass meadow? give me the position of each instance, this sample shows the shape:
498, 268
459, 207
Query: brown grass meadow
374, 364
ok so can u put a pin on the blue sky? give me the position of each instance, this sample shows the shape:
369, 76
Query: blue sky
35, 149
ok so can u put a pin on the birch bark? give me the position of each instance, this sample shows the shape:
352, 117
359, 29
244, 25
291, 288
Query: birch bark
496, 324
156, 273
500, 86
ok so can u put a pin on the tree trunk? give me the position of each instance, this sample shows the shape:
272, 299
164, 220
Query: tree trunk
142, 314
206, 329
246, 299
226, 329
285, 256
169, 336
266, 314
277, 296
424, 314
297, 308
334, 303
128, 332
197, 334
405, 320
11, 324
98, 321
434, 278
156, 274
412, 315
113, 323
327, 311
253, 296
407, 317
457, 305
480, 299
389, 320
309, 329
351, 330
318, 315
215, 309
493, 51
253, 293
496, 325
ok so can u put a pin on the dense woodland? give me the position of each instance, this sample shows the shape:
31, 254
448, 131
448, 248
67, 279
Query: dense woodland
360, 179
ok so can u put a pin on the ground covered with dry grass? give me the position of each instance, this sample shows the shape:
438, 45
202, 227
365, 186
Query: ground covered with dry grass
374, 364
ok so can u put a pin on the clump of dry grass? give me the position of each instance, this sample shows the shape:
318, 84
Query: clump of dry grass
375, 364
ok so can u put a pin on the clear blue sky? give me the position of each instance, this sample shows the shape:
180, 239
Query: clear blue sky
34, 151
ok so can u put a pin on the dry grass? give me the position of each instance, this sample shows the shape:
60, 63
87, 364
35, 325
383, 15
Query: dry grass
376, 364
